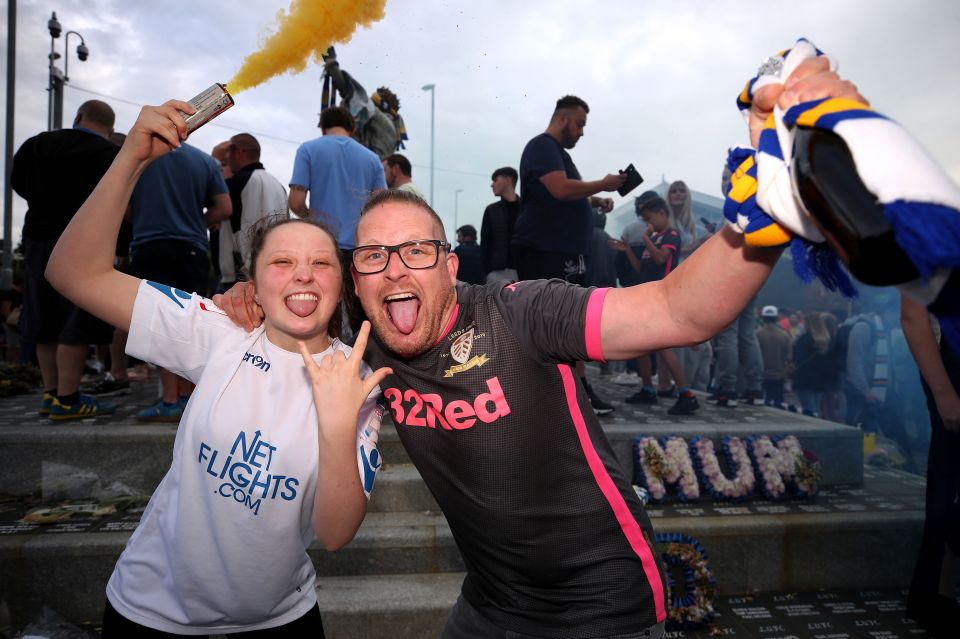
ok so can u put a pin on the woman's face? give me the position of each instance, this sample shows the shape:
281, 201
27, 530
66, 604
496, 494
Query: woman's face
677, 194
298, 283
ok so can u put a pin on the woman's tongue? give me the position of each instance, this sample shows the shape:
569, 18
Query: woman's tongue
403, 313
302, 305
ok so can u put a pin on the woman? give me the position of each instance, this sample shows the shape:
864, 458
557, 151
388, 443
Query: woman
815, 368
680, 205
270, 451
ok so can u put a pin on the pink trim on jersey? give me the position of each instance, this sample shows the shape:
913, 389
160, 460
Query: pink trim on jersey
669, 261
591, 327
629, 525
453, 319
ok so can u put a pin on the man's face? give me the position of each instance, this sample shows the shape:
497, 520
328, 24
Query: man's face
237, 159
497, 186
408, 308
390, 174
573, 131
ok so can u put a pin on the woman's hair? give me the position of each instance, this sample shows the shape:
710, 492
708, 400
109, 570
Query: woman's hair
682, 217
257, 235
817, 327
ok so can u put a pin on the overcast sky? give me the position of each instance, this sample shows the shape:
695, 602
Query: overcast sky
660, 77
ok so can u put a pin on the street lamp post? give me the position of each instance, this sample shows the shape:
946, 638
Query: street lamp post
57, 77
431, 88
456, 209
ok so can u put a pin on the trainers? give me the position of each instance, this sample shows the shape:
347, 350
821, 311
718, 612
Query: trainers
724, 400
600, 407
161, 412
625, 379
670, 392
87, 406
110, 386
686, 405
45, 403
642, 396
752, 398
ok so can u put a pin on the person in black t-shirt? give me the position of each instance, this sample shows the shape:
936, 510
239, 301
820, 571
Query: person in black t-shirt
555, 225
54, 172
555, 541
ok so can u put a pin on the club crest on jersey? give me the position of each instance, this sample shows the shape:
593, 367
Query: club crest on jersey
460, 352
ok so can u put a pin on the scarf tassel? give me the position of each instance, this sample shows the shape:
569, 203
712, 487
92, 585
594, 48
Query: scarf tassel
819, 261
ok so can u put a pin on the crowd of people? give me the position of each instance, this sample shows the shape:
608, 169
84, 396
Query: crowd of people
276, 408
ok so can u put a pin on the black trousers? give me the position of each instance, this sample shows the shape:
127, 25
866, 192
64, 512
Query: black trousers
941, 527
116, 626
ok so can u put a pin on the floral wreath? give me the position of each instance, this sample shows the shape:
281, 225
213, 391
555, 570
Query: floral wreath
658, 463
782, 458
695, 606
712, 477
779, 465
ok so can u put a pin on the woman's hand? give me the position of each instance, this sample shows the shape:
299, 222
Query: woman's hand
157, 131
338, 390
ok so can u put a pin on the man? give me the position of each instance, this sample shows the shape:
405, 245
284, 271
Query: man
651, 263
220, 153
254, 195
931, 600
170, 242
863, 341
496, 230
55, 172
338, 172
555, 223
554, 538
399, 173
775, 348
468, 252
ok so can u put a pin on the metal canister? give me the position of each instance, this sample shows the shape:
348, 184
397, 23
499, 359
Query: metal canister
209, 104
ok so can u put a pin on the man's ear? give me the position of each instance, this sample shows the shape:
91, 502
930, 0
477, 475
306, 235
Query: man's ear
453, 265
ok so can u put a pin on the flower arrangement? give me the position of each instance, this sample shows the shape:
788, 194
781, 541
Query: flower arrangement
776, 467
781, 460
714, 481
695, 606
658, 464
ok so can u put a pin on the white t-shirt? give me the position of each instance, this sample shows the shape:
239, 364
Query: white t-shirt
221, 546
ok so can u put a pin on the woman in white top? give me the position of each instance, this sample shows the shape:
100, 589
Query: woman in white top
278, 443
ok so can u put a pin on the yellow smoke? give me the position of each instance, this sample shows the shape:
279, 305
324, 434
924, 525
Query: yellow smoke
305, 30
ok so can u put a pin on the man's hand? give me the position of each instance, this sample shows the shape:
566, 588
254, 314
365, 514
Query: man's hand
240, 305
618, 245
811, 80
612, 182
948, 405
648, 232
605, 204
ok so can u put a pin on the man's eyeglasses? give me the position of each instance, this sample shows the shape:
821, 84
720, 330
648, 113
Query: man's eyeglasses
415, 254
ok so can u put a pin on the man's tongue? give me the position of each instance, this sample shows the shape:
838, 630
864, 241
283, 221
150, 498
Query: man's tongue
404, 314
301, 306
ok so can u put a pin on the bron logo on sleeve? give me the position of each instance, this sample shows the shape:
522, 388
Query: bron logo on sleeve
460, 352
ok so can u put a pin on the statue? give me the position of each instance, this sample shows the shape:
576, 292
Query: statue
379, 125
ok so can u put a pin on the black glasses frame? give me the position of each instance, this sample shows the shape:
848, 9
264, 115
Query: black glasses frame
439, 244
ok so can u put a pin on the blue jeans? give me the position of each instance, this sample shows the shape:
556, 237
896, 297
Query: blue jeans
737, 347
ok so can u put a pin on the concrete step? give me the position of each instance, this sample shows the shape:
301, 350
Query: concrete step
118, 449
832, 542
398, 606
